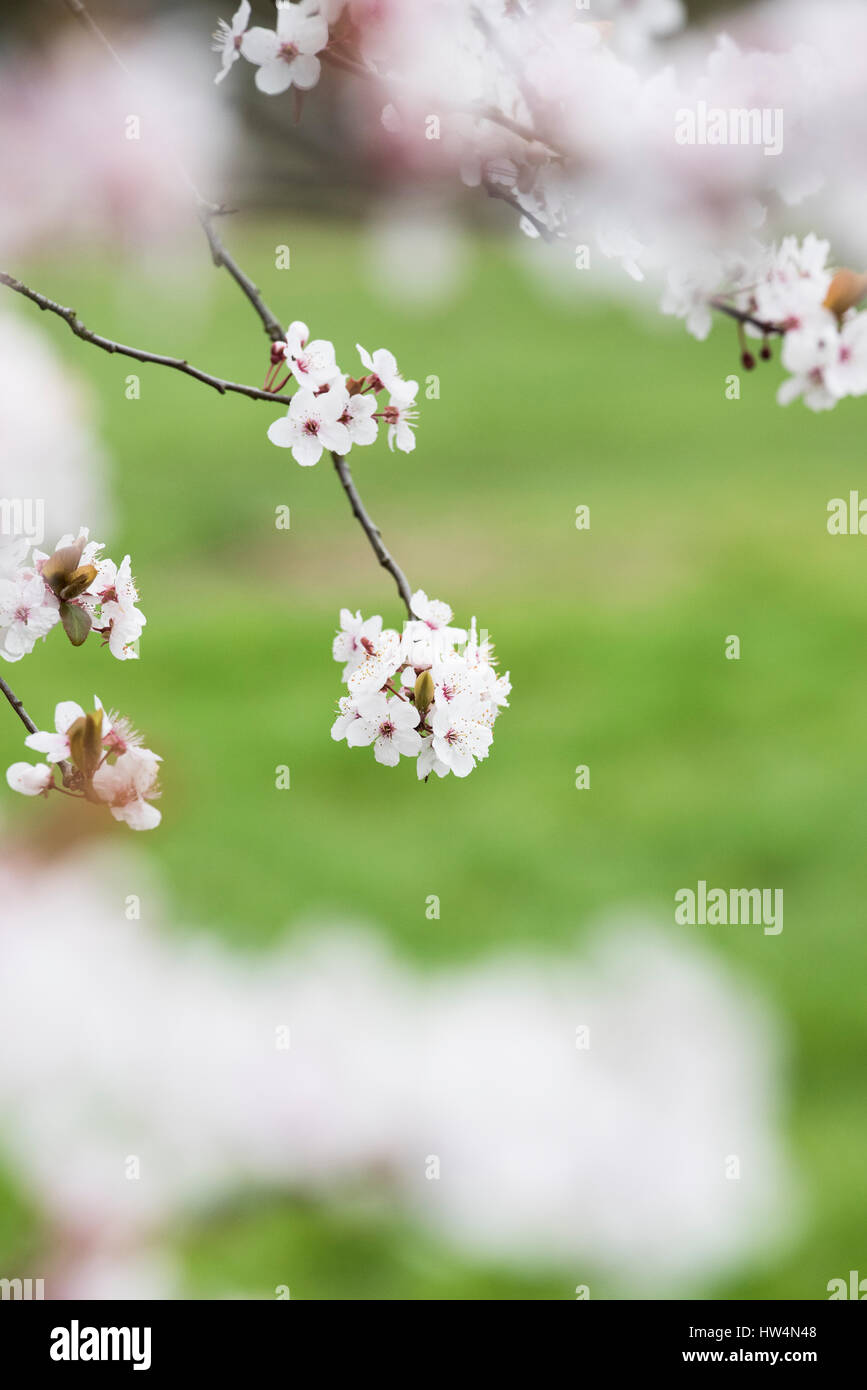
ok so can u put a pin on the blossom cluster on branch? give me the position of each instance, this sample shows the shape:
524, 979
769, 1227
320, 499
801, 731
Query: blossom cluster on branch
787, 290
667, 161
74, 586
101, 759
331, 410
430, 692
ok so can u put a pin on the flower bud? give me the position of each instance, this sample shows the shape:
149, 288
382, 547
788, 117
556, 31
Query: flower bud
58, 569
424, 692
85, 743
846, 289
76, 582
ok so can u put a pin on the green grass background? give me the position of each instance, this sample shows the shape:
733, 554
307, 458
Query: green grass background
708, 517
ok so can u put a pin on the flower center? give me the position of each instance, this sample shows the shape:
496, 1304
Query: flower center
311, 426
288, 51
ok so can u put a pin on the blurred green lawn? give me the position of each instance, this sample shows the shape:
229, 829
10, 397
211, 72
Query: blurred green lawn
707, 518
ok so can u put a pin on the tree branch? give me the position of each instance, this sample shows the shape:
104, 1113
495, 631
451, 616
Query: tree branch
178, 364
740, 316
67, 772
221, 257
18, 708
372, 531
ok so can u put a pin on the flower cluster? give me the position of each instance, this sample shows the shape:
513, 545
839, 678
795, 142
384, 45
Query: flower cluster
431, 692
787, 291
73, 586
332, 411
101, 759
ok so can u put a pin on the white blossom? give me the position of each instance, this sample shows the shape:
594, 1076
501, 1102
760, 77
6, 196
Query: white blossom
285, 57
228, 38
431, 692
312, 424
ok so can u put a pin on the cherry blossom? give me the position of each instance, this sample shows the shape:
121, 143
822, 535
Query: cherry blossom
128, 786
359, 417
102, 761
431, 692
382, 365
460, 736
228, 38
72, 586
312, 363
312, 424
30, 780
28, 611
111, 601
286, 57
400, 415
355, 639
390, 725
808, 352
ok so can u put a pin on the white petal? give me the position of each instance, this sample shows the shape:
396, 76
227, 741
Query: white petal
275, 77
260, 46
305, 72
282, 432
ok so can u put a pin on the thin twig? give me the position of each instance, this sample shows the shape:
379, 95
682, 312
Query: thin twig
372, 531
740, 316
67, 772
178, 364
221, 257
18, 707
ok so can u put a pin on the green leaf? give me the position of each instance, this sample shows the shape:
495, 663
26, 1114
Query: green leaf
76, 623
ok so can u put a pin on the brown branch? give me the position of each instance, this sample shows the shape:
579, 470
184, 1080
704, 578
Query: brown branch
178, 364
18, 708
67, 772
221, 258
372, 531
740, 316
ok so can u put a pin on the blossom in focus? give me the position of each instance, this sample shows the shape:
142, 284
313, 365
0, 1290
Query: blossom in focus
285, 57
431, 692
382, 366
359, 419
400, 415
436, 616
111, 601
390, 725
28, 611
72, 586
355, 639
228, 37
313, 363
312, 424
